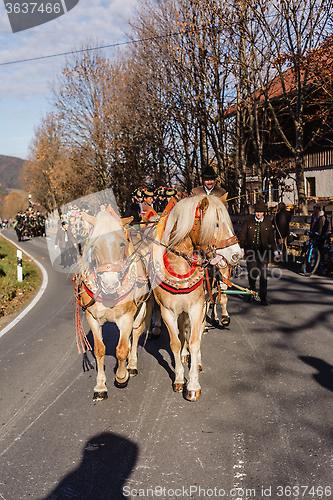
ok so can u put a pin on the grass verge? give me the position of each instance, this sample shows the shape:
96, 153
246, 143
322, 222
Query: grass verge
15, 295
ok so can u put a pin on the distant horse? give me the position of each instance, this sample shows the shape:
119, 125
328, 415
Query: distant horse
110, 286
198, 230
19, 228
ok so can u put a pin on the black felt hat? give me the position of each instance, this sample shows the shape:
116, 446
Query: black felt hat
209, 173
260, 206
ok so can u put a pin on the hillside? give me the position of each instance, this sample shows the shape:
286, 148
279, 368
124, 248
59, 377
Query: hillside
10, 172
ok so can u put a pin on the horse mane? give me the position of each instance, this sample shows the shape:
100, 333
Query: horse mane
181, 220
216, 211
105, 224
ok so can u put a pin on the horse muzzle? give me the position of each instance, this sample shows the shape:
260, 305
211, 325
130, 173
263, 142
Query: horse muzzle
110, 283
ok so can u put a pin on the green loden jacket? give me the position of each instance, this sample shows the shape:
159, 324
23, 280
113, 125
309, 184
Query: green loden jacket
247, 237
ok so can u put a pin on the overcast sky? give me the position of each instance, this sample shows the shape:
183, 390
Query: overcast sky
24, 87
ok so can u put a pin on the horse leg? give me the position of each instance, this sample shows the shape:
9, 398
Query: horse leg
214, 318
184, 330
156, 322
193, 391
140, 324
100, 390
206, 309
124, 324
171, 323
225, 318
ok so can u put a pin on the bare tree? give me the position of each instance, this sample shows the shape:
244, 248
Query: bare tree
290, 30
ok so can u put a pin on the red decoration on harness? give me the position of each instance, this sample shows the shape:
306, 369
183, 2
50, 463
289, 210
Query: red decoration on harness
198, 212
180, 276
180, 290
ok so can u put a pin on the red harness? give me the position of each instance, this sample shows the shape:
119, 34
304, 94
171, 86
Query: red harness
180, 276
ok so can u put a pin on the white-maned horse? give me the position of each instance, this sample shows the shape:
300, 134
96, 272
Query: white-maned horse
110, 287
198, 228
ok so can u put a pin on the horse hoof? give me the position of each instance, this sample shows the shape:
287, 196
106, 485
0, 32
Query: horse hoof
185, 359
121, 383
100, 396
132, 372
178, 387
205, 332
225, 320
215, 322
199, 368
193, 395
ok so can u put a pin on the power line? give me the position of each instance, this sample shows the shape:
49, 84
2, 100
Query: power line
119, 44
140, 40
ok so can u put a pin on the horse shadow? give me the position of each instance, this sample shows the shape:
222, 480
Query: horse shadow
110, 333
153, 347
324, 377
108, 460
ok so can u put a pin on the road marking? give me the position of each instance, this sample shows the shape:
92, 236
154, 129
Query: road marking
239, 461
34, 301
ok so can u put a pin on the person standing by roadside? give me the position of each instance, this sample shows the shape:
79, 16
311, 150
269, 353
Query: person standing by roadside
66, 242
281, 222
257, 239
319, 226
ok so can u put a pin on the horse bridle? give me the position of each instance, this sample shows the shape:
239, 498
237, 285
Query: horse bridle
216, 245
119, 267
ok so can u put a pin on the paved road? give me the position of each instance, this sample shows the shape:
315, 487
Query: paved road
263, 424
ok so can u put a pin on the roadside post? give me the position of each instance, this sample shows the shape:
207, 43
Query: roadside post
19, 265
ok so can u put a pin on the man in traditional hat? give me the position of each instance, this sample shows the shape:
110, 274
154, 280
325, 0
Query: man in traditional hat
209, 186
65, 240
257, 238
134, 208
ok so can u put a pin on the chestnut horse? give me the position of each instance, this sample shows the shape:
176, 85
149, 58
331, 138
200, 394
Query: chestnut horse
198, 230
111, 286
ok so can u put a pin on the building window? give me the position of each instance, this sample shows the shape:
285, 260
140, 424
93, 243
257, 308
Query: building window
311, 186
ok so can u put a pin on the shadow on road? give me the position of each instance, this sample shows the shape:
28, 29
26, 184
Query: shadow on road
107, 462
324, 377
153, 347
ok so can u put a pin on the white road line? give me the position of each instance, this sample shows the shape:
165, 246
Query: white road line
34, 301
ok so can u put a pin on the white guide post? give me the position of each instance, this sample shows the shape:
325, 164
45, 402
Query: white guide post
19, 265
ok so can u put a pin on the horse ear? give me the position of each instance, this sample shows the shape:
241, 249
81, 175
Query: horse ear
89, 218
224, 197
204, 204
126, 220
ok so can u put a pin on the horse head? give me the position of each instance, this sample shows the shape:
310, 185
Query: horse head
213, 232
107, 250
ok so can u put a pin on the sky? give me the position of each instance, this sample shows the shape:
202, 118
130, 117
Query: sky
25, 95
